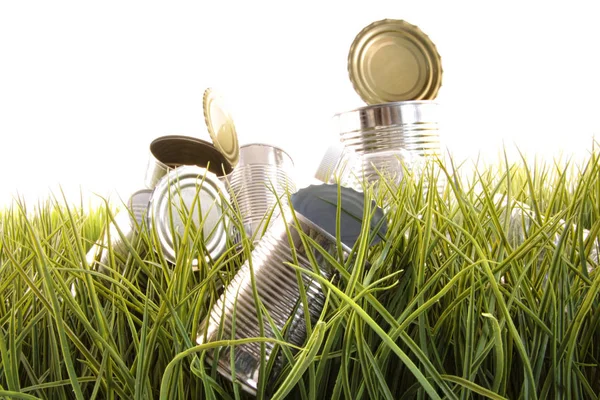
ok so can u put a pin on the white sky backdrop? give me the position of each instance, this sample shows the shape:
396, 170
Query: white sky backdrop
85, 87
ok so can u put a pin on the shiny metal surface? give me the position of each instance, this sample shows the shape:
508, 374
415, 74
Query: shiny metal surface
278, 290
263, 175
190, 194
385, 137
393, 60
277, 283
388, 114
168, 152
220, 126
129, 220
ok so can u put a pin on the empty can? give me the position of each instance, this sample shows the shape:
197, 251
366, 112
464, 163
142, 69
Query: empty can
353, 170
262, 177
277, 283
404, 125
129, 221
168, 152
194, 196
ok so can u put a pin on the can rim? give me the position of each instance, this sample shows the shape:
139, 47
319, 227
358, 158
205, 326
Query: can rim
431, 65
226, 166
390, 105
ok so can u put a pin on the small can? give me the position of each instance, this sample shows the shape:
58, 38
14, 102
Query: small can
262, 178
168, 152
195, 196
129, 221
278, 284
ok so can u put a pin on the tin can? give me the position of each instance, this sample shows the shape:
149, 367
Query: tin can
262, 178
190, 205
129, 221
278, 284
404, 125
168, 152
344, 166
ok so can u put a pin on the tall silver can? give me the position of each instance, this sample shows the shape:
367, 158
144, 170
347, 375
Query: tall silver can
277, 283
262, 178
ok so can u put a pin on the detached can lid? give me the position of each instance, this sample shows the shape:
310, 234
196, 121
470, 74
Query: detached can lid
392, 60
185, 193
220, 126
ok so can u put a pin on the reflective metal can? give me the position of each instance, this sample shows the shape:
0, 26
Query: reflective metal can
406, 125
129, 221
187, 202
263, 176
278, 284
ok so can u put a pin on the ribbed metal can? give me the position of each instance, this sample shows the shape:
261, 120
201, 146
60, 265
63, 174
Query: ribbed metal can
128, 221
277, 283
383, 141
262, 178
354, 170
168, 152
406, 125
186, 203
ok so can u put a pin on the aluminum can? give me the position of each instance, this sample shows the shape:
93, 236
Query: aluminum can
278, 284
262, 179
129, 221
405, 125
194, 196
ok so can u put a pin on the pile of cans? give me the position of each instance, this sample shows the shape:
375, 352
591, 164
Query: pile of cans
203, 200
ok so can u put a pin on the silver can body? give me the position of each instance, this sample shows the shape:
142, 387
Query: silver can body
384, 141
190, 205
278, 289
129, 221
406, 125
278, 284
262, 178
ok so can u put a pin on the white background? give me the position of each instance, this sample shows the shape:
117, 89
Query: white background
85, 87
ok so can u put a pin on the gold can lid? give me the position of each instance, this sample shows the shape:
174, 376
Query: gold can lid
220, 126
392, 60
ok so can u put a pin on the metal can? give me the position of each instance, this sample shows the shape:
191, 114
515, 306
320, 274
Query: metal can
404, 125
261, 179
344, 166
187, 202
277, 283
129, 221
168, 152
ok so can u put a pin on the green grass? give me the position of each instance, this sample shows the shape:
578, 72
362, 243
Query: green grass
459, 300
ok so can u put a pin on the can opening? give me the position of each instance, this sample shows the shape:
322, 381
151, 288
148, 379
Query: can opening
174, 151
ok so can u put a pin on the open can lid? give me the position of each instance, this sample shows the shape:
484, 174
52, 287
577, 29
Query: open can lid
220, 126
392, 60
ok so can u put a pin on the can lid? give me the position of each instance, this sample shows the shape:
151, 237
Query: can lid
220, 126
185, 193
392, 60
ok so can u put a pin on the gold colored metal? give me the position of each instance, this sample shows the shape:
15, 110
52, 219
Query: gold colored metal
392, 60
220, 126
